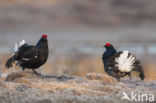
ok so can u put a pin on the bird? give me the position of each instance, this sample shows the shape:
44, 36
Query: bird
28, 56
122, 63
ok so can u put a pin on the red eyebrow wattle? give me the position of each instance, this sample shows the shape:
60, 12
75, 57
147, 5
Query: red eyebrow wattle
108, 44
44, 36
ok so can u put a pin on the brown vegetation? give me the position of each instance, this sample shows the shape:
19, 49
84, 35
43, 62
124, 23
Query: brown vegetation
27, 87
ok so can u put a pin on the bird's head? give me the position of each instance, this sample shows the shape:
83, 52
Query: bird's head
44, 36
43, 42
108, 46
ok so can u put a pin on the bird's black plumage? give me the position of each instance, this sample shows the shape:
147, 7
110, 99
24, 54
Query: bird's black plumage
113, 64
30, 57
109, 52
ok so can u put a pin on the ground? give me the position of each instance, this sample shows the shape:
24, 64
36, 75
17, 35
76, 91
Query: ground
27, 87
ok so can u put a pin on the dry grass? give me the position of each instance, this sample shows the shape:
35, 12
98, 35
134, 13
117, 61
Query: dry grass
100, 76
150, 72
77, 65
96, 88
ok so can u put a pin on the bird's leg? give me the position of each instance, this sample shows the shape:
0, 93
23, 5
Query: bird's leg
35, 71
129, 74
123, 74
118, 79
23, 68
118, 76
39, 74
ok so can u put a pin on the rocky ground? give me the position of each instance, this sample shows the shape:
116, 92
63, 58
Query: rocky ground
27, 87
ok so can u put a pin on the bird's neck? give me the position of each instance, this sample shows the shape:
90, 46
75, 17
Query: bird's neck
109, 52
42, 47
42, 44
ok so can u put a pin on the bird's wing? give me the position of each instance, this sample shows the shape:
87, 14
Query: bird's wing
30, 54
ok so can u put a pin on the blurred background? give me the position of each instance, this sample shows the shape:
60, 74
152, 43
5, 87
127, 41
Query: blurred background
77, 31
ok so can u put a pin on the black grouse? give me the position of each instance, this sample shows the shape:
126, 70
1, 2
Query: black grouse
120, 64
28, 56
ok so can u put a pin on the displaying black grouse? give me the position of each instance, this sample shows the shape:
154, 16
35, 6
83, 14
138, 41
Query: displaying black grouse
28, 56
120, 64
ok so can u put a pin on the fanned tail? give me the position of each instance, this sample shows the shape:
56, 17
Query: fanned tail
11, 60
125, 62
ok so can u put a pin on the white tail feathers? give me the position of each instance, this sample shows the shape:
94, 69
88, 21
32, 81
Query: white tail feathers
124, 62
22, 42
16, 48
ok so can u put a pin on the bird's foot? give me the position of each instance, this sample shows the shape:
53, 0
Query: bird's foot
130, 78
38, 74
118, 79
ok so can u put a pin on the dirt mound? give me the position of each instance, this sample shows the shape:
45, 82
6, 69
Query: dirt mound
20, 76
100, 76
27, 87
